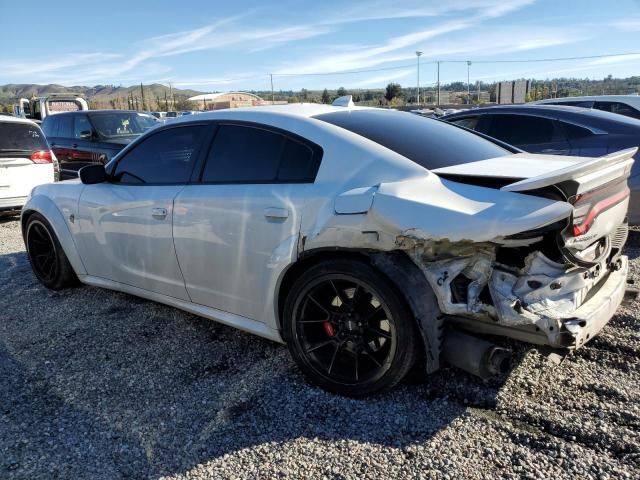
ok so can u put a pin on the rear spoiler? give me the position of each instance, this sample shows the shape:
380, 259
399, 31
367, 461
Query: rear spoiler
573, 172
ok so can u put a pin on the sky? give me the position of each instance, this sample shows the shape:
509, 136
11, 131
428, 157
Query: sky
236, 45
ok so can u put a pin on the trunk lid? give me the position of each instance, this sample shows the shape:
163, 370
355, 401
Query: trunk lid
595, 187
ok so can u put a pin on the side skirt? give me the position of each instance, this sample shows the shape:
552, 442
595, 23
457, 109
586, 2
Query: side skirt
242, 323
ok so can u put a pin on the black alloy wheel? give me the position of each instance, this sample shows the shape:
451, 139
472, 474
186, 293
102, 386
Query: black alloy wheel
46, 256
349, 330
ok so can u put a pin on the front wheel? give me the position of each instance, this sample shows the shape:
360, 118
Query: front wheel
348, 329
47, 259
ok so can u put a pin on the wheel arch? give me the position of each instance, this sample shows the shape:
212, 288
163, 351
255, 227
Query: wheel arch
400, 270
45, 207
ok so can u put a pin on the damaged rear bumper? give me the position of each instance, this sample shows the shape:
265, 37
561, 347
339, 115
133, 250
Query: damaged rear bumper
544, 303
595, 313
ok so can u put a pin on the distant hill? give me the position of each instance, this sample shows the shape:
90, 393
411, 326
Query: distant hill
99, 96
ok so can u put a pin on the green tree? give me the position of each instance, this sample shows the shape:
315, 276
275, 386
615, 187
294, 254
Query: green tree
393, 90
325, 96
342, 92
183, 104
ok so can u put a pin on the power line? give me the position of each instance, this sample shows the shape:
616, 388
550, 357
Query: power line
435, 62
534, 60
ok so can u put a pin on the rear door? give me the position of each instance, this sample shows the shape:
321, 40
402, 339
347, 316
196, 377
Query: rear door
25, 160
528, 132
236, 229
126, 224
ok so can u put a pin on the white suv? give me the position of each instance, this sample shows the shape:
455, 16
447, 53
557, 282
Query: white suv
25, 161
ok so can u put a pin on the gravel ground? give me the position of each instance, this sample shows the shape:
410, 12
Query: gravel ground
102, 385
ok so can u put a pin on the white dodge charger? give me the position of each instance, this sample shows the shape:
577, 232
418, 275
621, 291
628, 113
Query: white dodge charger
365, 239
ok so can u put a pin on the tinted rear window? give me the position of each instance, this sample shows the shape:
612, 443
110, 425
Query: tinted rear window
21, 136
430, 143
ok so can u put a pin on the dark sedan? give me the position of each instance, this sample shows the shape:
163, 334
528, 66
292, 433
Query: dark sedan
85, 137
559, 130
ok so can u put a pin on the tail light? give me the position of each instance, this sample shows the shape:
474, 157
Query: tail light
589, 205
41, 156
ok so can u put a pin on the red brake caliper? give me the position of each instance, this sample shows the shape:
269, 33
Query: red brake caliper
328, 329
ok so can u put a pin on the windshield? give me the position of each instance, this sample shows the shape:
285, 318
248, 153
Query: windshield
121, 124
22, 137
429, 143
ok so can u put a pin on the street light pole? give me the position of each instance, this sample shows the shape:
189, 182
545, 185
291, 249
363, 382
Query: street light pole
273, 98
468, 84
438, 97
418, 58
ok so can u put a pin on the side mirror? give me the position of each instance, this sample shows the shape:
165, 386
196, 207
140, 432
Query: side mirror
87, 134
92, 174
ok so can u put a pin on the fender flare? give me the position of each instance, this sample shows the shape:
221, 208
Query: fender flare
48, 209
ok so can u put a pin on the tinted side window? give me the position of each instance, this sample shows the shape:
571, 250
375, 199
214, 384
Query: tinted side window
522, 129
243, 154
468, 122
617, 107
65, 126
297, 163
166, 157
50, 126
247, 154
81, 124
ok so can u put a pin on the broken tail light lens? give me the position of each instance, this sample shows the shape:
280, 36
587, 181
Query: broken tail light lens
589, 205
41, 156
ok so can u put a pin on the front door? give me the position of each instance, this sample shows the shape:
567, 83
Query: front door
126, 225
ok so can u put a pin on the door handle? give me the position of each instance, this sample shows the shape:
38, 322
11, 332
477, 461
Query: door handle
554, 151
276, 212
159, 213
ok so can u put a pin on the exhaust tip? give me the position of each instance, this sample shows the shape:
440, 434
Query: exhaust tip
499, 362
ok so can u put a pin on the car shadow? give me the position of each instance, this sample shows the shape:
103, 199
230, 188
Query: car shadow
99, 384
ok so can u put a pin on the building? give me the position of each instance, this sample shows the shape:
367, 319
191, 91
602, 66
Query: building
512, 92
217, 101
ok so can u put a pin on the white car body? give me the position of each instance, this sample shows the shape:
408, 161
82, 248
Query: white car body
224, 251
19, 175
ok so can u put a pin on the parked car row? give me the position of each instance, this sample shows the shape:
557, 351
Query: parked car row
559, 130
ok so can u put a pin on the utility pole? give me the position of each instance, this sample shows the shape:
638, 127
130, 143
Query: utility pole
478, 92
438, 82
273, 98
468, 84
418, 58
166, 102
171, 97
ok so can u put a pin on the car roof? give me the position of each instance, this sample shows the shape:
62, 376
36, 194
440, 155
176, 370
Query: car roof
11, 119
105, 110
300, 110
564, 112
629, 99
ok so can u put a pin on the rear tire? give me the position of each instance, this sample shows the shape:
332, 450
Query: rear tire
46, 256
349, 330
